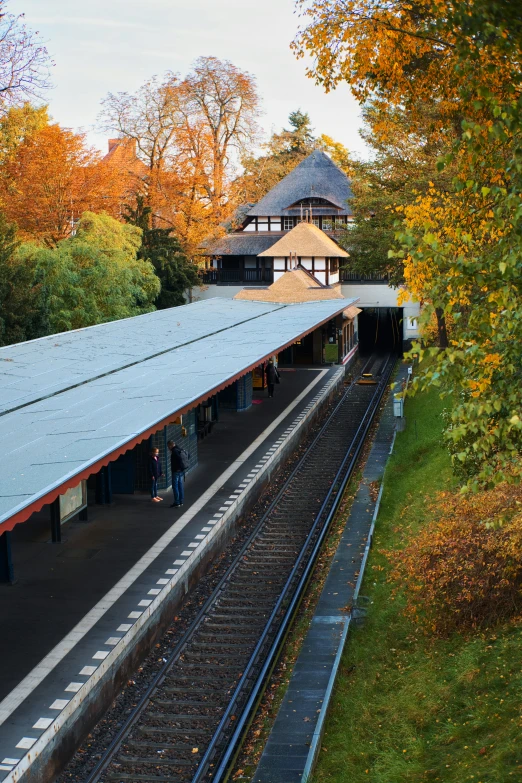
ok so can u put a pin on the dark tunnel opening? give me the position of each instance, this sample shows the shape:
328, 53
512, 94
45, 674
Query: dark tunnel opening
380, 329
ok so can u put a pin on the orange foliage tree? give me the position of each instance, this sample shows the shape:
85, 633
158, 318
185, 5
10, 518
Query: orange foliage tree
461, 248
463, 570
52, 178
187, 132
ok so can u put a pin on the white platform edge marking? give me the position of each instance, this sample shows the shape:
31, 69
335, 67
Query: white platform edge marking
47, 664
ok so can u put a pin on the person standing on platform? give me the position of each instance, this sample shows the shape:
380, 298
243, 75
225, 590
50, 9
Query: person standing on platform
272, 376
179, 462
155, 473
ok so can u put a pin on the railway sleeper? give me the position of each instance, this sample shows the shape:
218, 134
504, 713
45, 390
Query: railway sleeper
151, 764
185, 690
269, 549
181, 747
200, 669
169, 719
238, 613
212, 659
205, 647
225, 603
122, 776
173, 731
222, 628
284, 536
159, 759
244, 575
183, 704
170, 703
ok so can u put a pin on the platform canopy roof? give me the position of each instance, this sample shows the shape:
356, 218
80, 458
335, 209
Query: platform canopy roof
74, 402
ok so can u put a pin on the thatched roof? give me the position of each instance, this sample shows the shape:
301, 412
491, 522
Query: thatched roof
296, 285
316, 176
305, 240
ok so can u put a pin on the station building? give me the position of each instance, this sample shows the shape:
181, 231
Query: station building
269, 243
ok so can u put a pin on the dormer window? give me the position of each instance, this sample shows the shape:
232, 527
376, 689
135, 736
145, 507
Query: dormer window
313, 201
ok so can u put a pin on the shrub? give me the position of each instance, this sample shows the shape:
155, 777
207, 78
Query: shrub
463, 571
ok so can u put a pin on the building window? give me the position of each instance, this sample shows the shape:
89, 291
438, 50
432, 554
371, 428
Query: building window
340, 225
334, 265
327, 224
315, 221
288, 223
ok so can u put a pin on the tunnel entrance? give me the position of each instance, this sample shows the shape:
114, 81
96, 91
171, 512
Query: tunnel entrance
380, 329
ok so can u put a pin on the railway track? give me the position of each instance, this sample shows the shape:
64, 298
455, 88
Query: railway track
188, 723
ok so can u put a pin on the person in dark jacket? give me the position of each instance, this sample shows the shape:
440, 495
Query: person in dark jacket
179, 464
155, 473
272, 376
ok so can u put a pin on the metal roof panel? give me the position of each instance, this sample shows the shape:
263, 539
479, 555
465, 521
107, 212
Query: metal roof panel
49, 441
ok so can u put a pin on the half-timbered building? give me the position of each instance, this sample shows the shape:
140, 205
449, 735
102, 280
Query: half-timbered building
297, 225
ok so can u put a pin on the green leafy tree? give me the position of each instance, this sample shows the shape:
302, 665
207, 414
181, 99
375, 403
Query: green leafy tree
174, 269
93, 277
402, 167
22, 309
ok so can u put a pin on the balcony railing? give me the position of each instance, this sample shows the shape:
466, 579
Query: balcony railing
236, 276
351, 276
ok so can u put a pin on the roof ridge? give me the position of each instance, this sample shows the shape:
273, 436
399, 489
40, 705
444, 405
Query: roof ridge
309, 273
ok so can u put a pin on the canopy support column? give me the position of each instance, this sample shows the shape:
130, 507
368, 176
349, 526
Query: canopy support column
6, 559
104, 486
56, 525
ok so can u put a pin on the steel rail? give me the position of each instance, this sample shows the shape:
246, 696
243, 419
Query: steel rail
115, 744
343, 475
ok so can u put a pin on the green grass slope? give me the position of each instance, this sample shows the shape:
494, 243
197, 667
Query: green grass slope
407, 707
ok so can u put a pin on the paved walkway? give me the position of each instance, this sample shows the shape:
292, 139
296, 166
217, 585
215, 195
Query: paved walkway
77, 604
291, 749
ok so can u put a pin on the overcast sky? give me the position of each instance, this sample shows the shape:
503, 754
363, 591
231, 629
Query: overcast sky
112, 45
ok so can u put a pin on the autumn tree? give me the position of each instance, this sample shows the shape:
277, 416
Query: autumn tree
223, 101
149, 119
401, 168
188, 133
17, 124
461, 248
52, 177
338, 152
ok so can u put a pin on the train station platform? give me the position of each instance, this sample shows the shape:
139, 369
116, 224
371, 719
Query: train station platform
79, 608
